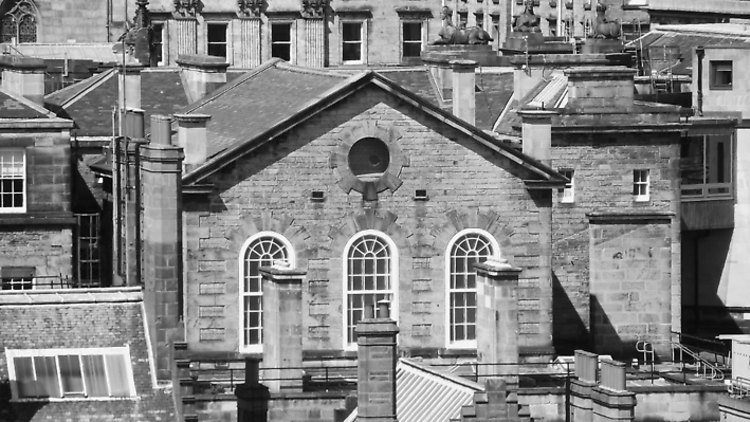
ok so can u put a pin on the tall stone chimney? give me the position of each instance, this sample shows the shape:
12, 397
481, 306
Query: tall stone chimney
161, 197
377, 355
129, 86
536, 129
282, 327
600, 89
497, 320
24, 76
202, 74
464, 84
191, 136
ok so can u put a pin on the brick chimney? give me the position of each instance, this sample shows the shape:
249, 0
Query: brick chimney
202, 74
24, 76
497, 320
129, 86
161, 198
191, 136
377, 354
600, 89
536, 134
464, 84
282, 326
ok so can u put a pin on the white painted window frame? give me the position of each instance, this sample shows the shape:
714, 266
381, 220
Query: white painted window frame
641, 185
362, 41
568, 192
24, 177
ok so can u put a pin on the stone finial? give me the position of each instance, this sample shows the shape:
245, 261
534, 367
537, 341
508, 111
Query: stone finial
250, 8
186, 8
314, 9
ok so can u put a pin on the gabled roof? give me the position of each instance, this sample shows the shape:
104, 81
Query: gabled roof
90, 103
14, 106
428, 395
281, 96
687, 38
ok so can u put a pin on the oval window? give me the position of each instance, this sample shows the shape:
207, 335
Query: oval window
369, 159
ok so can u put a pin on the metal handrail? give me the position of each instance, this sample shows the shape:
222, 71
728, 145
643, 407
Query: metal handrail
716, 374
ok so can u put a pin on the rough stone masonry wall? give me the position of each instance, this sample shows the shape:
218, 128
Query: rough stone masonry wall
81, 326
603, 166
48, 249
269, 190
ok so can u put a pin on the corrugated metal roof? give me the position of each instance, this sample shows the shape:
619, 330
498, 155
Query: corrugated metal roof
427, 395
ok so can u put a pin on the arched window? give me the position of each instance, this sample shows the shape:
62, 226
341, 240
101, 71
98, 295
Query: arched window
370, 269
258, 251
465, 249
18, 21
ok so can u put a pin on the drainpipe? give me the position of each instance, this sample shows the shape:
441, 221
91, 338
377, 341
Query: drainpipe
700, 52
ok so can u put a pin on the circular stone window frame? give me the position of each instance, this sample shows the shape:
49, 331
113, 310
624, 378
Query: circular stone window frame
339, 160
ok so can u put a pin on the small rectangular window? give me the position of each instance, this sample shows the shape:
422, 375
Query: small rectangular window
17, 278
12, 180
567, 194
217, 39
720, 74
157, 54
641, 185
412, 39
352, 42
281, 40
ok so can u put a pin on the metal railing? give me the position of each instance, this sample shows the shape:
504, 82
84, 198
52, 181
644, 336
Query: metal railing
740, 388
703, 367
47, 282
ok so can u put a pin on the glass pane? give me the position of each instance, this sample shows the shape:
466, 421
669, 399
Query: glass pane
96, 380
46, 376
351, 31
119, 384
412, 49
25, 379
281, 32
282, 51
70, 374
352, 52
412, 31
217, 33
217, 50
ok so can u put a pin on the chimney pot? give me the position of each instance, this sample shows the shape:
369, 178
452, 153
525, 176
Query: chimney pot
129, 86
203, 74
134, 123
191, 135
369, 311
384, 309
161, 129
537, 134
464, 84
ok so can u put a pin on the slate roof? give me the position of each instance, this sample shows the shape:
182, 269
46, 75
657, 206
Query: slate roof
427, 395
492, 94
13, 106
90, 102
687, 37
281, 95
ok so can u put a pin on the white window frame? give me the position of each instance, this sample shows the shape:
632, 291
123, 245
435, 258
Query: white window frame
291, 259
641, 185
11, 354
495, 253
227, 37
394, 285
164, 37
362, 41
567, 194
292, 38
24, 178
422, 31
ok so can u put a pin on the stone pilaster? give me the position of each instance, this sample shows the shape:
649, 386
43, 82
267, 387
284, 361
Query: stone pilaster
161, 193
282, 327
248, 55
187, 36
377, 355
315, 42
497, 320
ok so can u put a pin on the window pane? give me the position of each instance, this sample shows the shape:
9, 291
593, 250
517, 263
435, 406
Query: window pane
25, 379
412, 31
117, 372
217, 33
96, 381
281, 32
217, 50
352, 31
282, 51
46, 376
70, 374
352, 52
412, 49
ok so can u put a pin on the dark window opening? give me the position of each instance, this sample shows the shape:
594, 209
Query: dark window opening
281, 40
412, 43
157, 44
721, 74
352, 41
17, 278
217, 39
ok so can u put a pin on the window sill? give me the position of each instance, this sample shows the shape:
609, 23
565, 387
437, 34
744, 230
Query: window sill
73, 399
720, 88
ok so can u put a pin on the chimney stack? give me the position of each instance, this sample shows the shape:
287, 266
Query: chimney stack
497, 319
600, 89
377, 355
161, 130
129, 86
464, 84
191, 136
536, 130
282, 326
24, 76
203, 74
